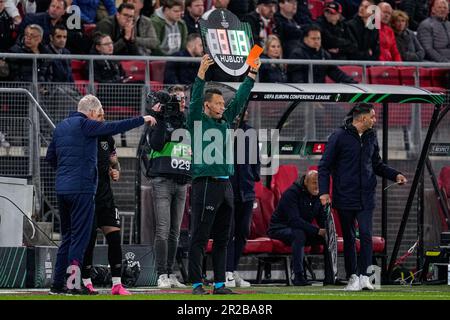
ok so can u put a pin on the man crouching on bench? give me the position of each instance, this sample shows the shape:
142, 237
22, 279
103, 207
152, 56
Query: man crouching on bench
292, 222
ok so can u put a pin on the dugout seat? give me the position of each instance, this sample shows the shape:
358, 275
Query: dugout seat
282, 180
316, 8
78, 67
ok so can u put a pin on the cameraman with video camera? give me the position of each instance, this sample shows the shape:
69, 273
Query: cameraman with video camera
169, 164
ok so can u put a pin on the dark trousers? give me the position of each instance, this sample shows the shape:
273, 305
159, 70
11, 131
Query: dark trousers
212, 207
239, 232
364, 218
298, 239
77, 216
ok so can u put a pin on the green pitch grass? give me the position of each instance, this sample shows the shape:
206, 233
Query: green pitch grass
256, 292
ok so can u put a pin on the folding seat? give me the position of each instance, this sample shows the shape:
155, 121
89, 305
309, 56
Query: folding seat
157, 69
134, 69
356, 72
384, 75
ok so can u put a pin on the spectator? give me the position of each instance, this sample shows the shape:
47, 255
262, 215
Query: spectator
335, 35
47, 20
60, 70
170, 27
194, 11
89, 8
121, 29
261, 20
367, 39
146, 39
27, 6
106, 71
22, 69
271, 72
311, 49
434, 33
303, 15
292, 223
185, 72
416, 10
218, 4
287, 29
407, 43
6, 28
388, 45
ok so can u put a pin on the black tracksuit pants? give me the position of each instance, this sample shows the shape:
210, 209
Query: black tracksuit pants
212, 209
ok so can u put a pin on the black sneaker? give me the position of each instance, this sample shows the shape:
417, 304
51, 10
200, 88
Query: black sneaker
56, 290
300, 281
199, 290
223, 290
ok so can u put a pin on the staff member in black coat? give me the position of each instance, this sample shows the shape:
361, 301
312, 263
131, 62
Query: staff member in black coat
311, 49
292, 221
352, 158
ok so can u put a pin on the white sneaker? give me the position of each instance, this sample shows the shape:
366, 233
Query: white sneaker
230, 282
364, 283
239, 281
174, 282
164, 282
353, 284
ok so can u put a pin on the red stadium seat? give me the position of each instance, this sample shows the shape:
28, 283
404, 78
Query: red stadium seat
316, 8
407, 75
88, 29
157, 70
384, 75
356, 72
425, 77
282, 180
135, 69
78, 67
439, 77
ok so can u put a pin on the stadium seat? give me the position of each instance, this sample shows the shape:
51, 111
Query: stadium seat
407, 75
88, 29
425, 77
384, 75
444, 186
135, 69
157, 69
78, 67
316, 8
439, 77
282, 180
356, 72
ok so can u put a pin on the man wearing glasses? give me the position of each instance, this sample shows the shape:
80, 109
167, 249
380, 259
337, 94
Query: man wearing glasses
121, 29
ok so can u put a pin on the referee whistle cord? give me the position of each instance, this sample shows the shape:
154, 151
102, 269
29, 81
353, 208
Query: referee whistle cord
33, 224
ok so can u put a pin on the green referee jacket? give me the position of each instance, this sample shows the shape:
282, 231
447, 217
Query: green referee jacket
212, 152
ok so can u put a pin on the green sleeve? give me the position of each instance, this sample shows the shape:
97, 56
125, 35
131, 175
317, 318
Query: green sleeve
196, 104
236, 105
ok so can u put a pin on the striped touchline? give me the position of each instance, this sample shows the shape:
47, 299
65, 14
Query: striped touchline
5, 266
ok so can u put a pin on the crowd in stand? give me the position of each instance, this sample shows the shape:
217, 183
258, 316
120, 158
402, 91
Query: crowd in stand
406, 30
